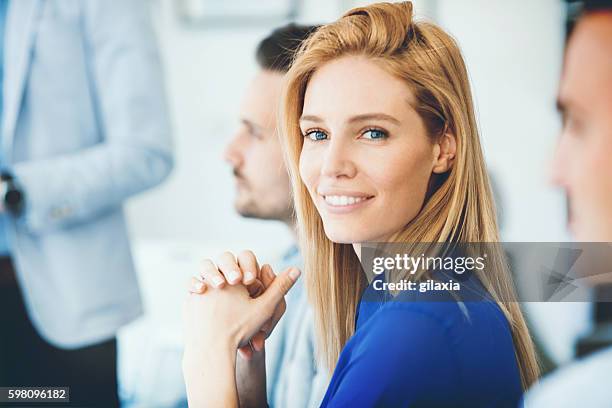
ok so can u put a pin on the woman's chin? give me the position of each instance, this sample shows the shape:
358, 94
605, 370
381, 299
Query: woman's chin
340, 240
341, 236
346, 236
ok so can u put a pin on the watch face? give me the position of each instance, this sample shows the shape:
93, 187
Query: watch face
13, 200
12, 197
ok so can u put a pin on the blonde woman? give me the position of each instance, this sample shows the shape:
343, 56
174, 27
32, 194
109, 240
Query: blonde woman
382, 145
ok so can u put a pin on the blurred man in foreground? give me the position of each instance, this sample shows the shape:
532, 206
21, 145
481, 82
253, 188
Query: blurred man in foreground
582, 168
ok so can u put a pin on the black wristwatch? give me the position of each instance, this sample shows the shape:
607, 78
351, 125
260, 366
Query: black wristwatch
11, 195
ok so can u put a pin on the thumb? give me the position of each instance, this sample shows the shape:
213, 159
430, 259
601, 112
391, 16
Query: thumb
278, 288
266, 304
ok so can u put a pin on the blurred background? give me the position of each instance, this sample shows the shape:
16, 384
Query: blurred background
513, 51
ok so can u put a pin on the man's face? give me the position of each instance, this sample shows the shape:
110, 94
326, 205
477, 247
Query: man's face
262, 182
583, 165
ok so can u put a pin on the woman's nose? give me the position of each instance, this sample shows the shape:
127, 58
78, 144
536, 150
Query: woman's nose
338, 160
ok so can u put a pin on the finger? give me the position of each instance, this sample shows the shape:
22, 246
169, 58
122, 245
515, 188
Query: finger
228, 266
248, 264
274, 294
279, 311
211, 274
196, 285
268, 327
267, 275
258, 341
246, 352
256, 288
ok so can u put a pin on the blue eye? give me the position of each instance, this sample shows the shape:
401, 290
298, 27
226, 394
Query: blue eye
374, 134
316, 135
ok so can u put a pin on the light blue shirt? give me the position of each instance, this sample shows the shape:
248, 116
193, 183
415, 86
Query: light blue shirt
4, 242
584, 383
293, 377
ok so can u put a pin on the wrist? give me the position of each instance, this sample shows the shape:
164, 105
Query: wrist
196, 354
210, 375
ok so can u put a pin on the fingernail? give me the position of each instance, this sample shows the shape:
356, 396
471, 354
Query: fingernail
233, 276
294, 273
198, 286
218, 281
249, 276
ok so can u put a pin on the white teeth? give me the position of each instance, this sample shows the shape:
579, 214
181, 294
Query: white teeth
341, 201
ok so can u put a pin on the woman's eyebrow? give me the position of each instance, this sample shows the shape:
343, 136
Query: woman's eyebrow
374, 116
311, 118
357, 118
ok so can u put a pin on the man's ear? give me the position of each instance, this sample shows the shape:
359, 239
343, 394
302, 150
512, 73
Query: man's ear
445, 151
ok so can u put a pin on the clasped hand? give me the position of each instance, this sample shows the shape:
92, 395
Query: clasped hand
234, 303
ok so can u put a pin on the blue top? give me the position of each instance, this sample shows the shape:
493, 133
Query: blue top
412, 351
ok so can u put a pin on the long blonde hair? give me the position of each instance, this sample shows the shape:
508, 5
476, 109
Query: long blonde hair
461, 209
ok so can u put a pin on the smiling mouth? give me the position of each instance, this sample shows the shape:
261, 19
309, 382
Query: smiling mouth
344, 200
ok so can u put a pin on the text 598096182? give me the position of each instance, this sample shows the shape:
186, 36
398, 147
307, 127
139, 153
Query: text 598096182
34, 394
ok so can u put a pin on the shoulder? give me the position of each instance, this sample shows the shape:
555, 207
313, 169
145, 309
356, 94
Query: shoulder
127, 20
449, 341
399, 317
399, 339
398, 356
428, 353
444, 318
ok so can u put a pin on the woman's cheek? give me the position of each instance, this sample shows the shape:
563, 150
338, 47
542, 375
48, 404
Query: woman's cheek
308, 170
404, 180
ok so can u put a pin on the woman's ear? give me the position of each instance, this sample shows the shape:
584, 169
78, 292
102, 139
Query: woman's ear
444, 151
